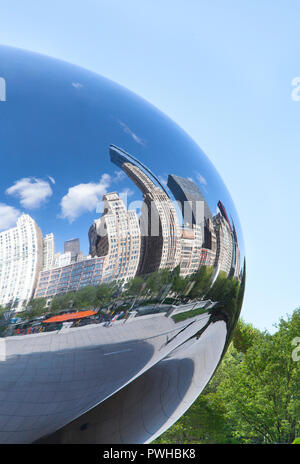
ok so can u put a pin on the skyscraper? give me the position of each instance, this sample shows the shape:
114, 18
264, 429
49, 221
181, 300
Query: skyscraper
191, 241
21, 260
193, 204
48, 251
73, 246
160, 230
116, 235
197, 216
224, 253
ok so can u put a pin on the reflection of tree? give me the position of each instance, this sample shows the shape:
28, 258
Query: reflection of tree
86, 298
224, 291
62, 301
178, 283
202, 283
155, 288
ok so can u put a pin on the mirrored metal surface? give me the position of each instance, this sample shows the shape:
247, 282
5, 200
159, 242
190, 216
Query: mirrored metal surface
122, 266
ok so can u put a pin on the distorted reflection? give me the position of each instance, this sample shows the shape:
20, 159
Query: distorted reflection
151, 285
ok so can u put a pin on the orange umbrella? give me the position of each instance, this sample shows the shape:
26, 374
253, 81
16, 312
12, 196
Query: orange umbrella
69, 316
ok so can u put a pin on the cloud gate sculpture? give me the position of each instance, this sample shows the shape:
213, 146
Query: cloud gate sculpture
122, 266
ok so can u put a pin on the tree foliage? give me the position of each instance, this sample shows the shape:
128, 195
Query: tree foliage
254, 397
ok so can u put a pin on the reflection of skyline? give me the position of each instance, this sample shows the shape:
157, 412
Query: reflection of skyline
160, 232
130, 246
57, 171
165, 143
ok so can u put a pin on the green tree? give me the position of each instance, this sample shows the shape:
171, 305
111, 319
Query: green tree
253, 397
202, 281
85, 297
262, 387
178, 283
62, 301
244, 336
35, 308
156, 281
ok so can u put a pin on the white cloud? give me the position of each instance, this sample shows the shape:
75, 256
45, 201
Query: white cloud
128, 131
77, 85
83, 197
201, 179
127, 192
163, 181
31, 191
8, 216
119, 176
51, 179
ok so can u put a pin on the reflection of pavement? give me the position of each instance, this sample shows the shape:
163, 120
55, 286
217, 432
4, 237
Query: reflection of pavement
176, 309
146, 407
49, 379
202, 304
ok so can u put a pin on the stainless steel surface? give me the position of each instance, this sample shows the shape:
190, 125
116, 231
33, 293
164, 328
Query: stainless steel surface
122, 265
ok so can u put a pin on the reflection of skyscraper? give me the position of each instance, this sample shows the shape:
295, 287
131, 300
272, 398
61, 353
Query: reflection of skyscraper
116, 235
236, 258
209, 248
161, 234
72, 246
196, 214
193, 205
228, 252
224, 213
21, 260
62, 259
224, 243
191, 241
48, 251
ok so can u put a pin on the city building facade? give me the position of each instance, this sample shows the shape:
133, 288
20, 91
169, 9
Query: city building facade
70, 278
48, 251
21, 260
72, 246
117, 236
224, 236
160, 229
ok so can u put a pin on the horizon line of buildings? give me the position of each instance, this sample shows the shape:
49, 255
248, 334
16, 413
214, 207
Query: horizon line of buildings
122, 244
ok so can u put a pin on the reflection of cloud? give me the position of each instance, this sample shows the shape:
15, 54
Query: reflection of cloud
127, 192
128, 131
201, 179
77, 85
31, 191
163, 181
83, 197
52, 179
119, 176
8, 216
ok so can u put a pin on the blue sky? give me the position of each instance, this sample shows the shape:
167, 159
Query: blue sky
223, 71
